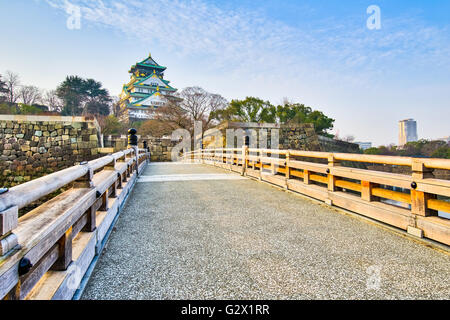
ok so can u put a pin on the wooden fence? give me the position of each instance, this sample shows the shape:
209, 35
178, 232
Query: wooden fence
45, 253
327, 177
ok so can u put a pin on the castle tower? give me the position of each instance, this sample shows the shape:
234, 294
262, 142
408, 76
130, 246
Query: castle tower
146, 91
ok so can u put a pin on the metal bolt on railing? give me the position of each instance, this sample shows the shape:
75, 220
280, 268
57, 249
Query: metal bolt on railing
25, 266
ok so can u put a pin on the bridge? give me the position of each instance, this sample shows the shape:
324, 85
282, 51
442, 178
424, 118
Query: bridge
229, 224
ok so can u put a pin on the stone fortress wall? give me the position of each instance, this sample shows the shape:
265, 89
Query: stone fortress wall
294, 137
33, 146
160, 148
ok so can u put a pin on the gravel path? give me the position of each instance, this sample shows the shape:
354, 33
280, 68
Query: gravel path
242, 239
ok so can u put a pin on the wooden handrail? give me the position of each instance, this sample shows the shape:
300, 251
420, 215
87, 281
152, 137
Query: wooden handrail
331, 182
79, 217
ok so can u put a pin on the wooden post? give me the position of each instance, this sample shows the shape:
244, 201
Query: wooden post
9, 220
288, 169
259, 155
306, 174
65, 252
104, 206
419, 202
111, 165
91, 223
419, 171
366, 191
85, 181
244, 159
273, 169
420, 199
114, 190
331, 178
119, 181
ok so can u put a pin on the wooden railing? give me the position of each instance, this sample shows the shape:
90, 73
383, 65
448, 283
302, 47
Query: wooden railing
324, 176
45, 253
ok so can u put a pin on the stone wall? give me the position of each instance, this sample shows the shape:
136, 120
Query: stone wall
333, 145
160, 148
294, 137
32, 146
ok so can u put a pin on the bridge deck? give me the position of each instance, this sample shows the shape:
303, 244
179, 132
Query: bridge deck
240, 239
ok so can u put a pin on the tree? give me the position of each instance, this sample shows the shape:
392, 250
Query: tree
30, 95
53, 102
256, 110
3, 90
299, 113
372, 151
442, 152
71, 92
249, 110
12, 82
349, 138
110, 125
174, 116
421, 148
31, 109
82, 96
199, 104
98, 99
156, 128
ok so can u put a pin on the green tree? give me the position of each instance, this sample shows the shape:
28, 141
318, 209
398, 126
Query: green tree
82, 96
30, 109
422, 148
442, 152
256, 110
72, 93
297, 113
98, 98
249, 110
373, 151
110, 125
7, 109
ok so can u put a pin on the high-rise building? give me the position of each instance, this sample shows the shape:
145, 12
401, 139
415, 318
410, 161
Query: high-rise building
407, 131
146, 91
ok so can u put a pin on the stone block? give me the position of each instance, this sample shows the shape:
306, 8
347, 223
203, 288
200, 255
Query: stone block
415, 231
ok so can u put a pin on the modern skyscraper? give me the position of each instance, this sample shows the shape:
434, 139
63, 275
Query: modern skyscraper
407, 131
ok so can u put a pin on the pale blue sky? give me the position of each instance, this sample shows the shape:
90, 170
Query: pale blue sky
316, 52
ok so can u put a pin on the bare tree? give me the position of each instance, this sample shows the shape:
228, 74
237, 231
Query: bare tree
195, 102
30, 95
174, 116
12, 82
198, 104
52, 100
216, 102
349, 138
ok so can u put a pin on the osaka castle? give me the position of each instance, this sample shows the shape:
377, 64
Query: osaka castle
146, 91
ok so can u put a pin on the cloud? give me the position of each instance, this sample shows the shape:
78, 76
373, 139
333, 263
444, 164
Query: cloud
241, 40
